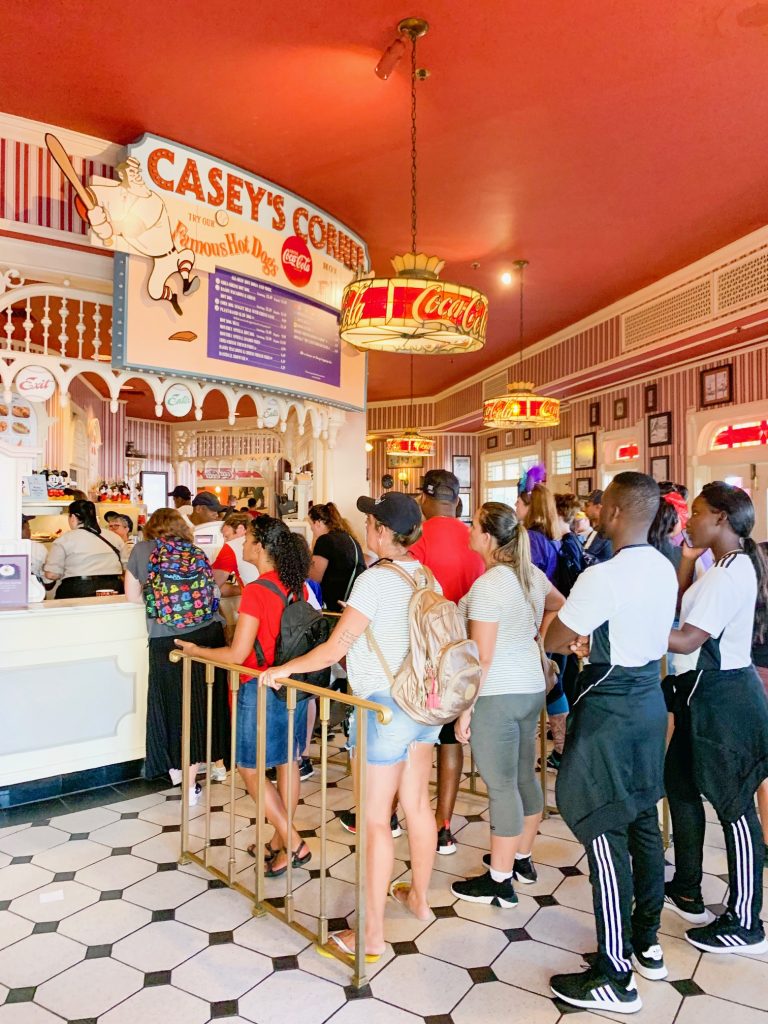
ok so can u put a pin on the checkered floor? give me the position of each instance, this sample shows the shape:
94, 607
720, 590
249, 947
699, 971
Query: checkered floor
99, 923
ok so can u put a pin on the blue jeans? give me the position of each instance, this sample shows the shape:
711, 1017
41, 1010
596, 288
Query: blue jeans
388, 744
277, 727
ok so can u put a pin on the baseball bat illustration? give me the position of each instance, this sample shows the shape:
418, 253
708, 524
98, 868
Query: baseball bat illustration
61, 158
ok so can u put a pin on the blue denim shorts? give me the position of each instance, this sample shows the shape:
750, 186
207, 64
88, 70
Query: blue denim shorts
388, 744
277, 727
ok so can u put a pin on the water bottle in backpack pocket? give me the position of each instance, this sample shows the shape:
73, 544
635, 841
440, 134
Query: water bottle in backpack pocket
180, 590
302, 628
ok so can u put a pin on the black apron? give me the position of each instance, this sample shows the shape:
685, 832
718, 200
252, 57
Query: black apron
726, 711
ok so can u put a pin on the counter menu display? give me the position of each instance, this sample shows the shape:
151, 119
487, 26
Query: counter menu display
257, 324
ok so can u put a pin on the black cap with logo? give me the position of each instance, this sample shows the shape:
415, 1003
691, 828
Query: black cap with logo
440, 484
394, 509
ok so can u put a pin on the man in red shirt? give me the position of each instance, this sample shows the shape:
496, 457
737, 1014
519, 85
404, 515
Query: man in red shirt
444, 548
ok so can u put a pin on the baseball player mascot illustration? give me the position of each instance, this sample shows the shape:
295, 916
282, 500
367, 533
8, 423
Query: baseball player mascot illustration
128, 209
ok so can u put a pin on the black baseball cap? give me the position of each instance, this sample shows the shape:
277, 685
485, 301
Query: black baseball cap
180, 491
210, 500
398, 511
110, 517
595, 498
440, 484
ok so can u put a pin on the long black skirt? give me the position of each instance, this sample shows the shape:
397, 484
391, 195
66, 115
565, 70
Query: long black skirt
164, 705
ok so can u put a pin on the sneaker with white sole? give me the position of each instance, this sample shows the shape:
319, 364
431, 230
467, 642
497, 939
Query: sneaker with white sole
693, 911
194, 794
650, 963
306, 769
176, 775
524, 870
445, 842
348, 821
483, 889
218, 773
594, 990
726, 935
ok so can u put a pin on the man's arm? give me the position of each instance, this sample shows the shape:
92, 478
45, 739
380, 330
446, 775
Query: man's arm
559, 637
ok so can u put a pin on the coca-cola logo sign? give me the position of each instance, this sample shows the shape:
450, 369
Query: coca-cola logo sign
35, 383
296, 260
178, 400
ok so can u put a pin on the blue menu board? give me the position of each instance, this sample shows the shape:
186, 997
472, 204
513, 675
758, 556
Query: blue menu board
258, 324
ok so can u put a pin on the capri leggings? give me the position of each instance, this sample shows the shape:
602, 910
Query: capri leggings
503, 741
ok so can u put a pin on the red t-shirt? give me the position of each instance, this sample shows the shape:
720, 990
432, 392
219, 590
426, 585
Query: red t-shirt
444, 548
226, 560
267, 607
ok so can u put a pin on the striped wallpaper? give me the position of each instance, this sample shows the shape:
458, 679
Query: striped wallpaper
447, 445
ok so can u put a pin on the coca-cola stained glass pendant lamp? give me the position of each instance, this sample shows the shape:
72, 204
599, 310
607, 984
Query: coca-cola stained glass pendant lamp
413, 312
521, 406
410, 442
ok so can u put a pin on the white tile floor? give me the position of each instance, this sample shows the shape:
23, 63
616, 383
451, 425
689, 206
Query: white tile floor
99, 923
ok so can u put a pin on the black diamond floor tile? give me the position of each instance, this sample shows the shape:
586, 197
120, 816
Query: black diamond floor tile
571, 871
97, 952
444, 912
688, 987
169, 865
121, 851
225, 1008
20, 995
171, 828
439, 1018
353, 993
64, 876
480, 975
337, 924
129, 815
220, 938
4, 904
111, 894
83, 1020
45, 926
216, 883
79, 835
21, 860
546, 901
285, 963
404, 948
163, 915
516, 934
157, 978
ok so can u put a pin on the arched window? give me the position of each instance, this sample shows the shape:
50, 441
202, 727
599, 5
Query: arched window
740, 435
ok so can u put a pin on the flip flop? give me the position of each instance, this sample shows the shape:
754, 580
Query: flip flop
370, 958
269, 852
397, 887
298, 862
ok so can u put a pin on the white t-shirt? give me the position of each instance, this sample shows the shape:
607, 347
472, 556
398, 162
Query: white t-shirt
498, 597
627, 605
383, 598
722, 602
207, 536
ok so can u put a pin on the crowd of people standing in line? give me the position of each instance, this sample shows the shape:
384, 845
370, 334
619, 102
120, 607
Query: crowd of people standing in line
610, 590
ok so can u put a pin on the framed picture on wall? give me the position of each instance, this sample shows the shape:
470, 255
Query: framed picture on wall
492, 442
583, 486
466, 506
660, 468
594, 414
405, 462
584, 451
527, 435
509, 439
620, 408
716, 386
462, 470
650, 398
659, 429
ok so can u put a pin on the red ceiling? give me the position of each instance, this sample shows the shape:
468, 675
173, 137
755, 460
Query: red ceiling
609, 143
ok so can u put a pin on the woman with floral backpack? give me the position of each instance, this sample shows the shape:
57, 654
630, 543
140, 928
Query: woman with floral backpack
172, 578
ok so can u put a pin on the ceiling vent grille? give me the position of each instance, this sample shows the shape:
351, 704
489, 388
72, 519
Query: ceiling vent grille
685, 308
496, 386
742, 284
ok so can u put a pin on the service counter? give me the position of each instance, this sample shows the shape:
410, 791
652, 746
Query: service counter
73, 688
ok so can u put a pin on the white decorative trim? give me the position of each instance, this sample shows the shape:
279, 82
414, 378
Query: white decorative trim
21, 129
55, 265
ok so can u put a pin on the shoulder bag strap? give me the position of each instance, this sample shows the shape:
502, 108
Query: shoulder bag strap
111, 547
352, 575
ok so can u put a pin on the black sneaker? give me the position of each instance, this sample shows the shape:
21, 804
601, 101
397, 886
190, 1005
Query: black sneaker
553, 761
348, 821
445, 842
271, 774
650, 963
726, 935
306, 769
594, 990
690, 910
524, 871
483, 889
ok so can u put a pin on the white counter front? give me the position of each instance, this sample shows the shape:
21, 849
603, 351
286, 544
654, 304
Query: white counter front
73, 687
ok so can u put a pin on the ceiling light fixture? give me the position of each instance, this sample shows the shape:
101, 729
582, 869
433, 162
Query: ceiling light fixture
413, 312
522, 407
410, 442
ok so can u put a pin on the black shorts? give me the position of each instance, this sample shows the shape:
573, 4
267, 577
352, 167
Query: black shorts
447, 733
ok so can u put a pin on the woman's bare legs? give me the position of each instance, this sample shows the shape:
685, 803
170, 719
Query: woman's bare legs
422, 828
274, 801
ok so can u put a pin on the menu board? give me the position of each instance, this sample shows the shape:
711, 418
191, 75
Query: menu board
257, 324
18, 423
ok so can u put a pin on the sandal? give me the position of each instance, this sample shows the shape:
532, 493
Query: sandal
269, 851
298, 861
349, 954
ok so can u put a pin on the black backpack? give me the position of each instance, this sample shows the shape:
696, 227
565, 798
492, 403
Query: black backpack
570, 564
302, 628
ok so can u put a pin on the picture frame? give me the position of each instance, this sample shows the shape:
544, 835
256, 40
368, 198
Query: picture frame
594, 414
465, 497
584, 451
583, 486
659, 468
461, 466
527, 435
716, 386
405, 462
659, 429
509, 439
651, 398
620, 408
492, 442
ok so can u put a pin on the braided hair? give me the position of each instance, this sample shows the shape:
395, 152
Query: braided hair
287, 550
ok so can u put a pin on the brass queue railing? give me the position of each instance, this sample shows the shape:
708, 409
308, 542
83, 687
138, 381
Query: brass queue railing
261, 905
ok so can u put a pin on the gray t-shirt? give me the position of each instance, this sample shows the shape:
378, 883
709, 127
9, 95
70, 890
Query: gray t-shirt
138, 567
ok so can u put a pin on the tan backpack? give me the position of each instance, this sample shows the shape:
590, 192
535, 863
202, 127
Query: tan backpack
441, 673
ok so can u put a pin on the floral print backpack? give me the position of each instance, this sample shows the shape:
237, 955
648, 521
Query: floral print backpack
180, 590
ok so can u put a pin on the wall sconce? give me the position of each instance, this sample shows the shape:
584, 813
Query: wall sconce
368, 446
402, 476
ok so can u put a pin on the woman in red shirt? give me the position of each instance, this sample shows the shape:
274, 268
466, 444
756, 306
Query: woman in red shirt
282, 558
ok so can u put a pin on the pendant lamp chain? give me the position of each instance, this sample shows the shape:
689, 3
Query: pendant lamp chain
413, 145
521, 265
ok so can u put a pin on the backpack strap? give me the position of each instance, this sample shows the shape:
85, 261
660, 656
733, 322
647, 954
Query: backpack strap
374, 646
429, 579
273, 587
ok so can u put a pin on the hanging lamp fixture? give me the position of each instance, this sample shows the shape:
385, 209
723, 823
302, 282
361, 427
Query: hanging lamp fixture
410, 442
521, 407
413, 312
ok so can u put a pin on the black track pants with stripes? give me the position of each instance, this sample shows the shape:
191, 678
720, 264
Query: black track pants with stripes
743, 838
626, 866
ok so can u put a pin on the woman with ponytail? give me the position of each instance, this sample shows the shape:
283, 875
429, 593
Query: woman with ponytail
282, 560
719, 747
506, 607
337, 558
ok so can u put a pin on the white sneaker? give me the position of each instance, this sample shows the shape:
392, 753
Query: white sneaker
175, 774
194, 794
650, 963
218, 773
